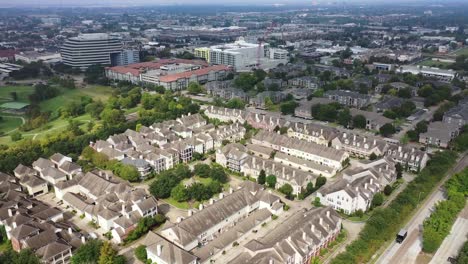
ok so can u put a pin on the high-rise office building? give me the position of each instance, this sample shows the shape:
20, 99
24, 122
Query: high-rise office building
88, 49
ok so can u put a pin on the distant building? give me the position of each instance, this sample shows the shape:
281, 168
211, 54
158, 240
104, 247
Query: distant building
439, 134
373, 120
348, 98
34, 56
457, 115
440, 74
88, 49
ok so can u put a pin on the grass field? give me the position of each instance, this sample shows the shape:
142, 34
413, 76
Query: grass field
68, 96
22, 91
432, 63
463, 51
9, 123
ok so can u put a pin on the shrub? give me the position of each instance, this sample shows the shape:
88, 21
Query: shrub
140, 253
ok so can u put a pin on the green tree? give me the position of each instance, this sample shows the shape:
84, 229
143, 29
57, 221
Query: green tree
287, 108
94, 109
235, 103
320, 181
218, 174
87, 253
373, 156
377, 200
287, 190
140, 253
16, 136
387, 130
179, 193
202, 170
112, 116
399, 170
271, 181
388, 190
261, 177
359, 213
359, 121
24, 256
344, 117
127, 172
194, 88
317, 202
107, 253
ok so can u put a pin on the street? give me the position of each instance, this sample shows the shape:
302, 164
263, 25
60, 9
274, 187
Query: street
408, 251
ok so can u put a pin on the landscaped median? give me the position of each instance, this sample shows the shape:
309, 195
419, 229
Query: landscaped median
385, 222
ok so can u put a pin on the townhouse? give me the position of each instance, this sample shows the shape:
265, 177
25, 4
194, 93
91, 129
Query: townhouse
360, 146
348, 98
409, 157
302, 149
296, 241
458, 114
113, 204
32, 224
357, 187
315, 133
212, 220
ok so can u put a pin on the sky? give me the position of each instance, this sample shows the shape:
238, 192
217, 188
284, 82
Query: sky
67, 3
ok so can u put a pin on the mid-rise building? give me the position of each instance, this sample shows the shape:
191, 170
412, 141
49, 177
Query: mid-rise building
89, 49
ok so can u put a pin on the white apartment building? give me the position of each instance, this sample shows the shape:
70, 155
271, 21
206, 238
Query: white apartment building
442, 75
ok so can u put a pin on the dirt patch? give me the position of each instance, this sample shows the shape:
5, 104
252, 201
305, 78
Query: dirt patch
423, 258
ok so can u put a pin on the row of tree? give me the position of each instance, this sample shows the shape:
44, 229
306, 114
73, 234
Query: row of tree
96, 251
438, 225
385, 222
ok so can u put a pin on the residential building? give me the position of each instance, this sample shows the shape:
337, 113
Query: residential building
358, 186
409, 157
457, 115
307, 82
388, 103
161, 251
297, 240
319, 134
359, 145
302, 149
348, 98
373, 120
439, 134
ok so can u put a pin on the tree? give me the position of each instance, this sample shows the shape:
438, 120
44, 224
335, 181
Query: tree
387, 130
140, 253
373, 156
194, 88
94, 109
179, 193
359, 213
388, 190
399, 170
377, 200
112, 116
202, 170
218, 174
320, 181
16, 136
245, 81
359, 121
24, 256
87, 253
261, 177
344, 117
235, 103
271, 181
127, 172
286, 189
107, 253
287, 108
317, 202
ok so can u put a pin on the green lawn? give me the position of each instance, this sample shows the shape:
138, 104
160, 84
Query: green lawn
67, 96
181, 205
433, 63
9, 123
463, 51
22, 92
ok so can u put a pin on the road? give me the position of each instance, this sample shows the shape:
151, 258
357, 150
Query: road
408, 251
454, 241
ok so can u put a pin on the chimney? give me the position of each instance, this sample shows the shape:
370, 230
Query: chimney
273, 167
221, 195
253, 160
304, 235
364, 139
200, 207
312, 228
83, 239
386, 167
375, 142
354, 137
294, 173
158, 249
70, 231
10, 213
328, 214
179, 219
380, 169
357, 189
123, 208
321, 131
283, 171
14, 224
289, 238
412, 150
371, 181
321, 221
399, 148
211, 201
190, 212
271, 261
365, 185
295, 125
344, 135
231, 190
